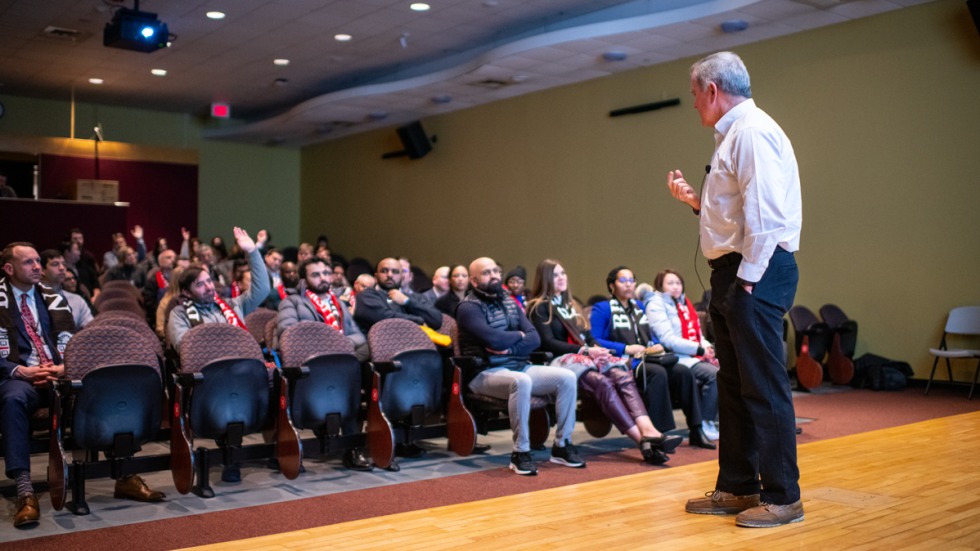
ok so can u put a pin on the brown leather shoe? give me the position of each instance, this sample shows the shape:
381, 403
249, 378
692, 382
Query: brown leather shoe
767, 515
133, 487
721, 503
28, 511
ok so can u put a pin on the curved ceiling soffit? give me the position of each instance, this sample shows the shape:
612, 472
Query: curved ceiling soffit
593, 30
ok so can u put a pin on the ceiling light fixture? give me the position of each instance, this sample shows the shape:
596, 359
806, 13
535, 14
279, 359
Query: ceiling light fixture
96, 80
281, 62
342, 37
614, 56
419, 6
215, 15
159, 72
378, 115
442, 98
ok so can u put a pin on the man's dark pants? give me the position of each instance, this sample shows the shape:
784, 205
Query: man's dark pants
755, 402
18, 400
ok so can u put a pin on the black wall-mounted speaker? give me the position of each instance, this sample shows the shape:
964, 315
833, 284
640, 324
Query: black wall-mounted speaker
974, 6
414, 140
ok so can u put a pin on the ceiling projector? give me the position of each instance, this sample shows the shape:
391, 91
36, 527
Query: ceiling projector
135, 30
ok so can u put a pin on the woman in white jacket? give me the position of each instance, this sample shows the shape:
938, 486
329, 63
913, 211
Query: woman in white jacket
675, 323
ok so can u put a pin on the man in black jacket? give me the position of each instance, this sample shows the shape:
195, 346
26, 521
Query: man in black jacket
493, 328
387, 300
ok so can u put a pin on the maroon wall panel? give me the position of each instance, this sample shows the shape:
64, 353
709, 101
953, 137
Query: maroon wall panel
162, 197
46, 223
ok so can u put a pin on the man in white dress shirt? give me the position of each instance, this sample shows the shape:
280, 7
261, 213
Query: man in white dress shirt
750, 219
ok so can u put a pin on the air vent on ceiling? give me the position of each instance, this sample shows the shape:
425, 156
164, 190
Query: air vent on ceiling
61, 33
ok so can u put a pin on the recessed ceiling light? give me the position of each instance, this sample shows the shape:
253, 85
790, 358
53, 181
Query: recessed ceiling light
442, 98
281, 62
342, 37
378, 115
215, 15
614, 55
159, 72
95, 80
419, 6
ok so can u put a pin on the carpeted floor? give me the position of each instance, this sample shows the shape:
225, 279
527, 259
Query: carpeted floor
444, 480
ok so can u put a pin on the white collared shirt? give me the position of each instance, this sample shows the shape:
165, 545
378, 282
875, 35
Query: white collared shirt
751, 201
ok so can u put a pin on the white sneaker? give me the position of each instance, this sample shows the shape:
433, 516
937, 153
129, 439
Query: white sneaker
709, 429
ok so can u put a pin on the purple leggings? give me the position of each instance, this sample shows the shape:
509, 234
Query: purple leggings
616, 394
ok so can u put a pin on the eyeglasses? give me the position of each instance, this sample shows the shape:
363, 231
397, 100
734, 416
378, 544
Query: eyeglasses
625, 280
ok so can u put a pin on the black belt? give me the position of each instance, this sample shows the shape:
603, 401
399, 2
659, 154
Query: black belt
725, 260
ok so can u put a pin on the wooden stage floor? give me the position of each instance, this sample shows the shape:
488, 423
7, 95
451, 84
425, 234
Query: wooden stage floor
911, 487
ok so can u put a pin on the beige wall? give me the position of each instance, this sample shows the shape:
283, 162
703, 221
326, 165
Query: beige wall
884, 116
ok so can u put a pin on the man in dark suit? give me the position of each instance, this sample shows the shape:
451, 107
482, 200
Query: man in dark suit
36, 324
33, 334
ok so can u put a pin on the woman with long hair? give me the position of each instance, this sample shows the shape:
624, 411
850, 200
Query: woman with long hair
675, 323
601, 376
621, 325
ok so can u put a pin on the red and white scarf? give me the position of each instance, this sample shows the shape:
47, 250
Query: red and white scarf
690, 325
331, 313
229, 313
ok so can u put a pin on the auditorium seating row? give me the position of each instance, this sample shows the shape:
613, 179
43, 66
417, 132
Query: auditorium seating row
121, 391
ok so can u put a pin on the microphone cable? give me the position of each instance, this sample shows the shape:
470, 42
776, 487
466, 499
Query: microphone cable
707, 170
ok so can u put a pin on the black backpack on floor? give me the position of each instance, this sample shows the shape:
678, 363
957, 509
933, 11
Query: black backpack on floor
879, 373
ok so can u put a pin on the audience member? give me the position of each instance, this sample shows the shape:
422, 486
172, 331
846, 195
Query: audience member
313, 300
157, 281
85, 265
126, 269
200, 303
37, 323
304, 251
204, 256
407, 275
606, 379
53, 275
339, 284
440, 285
363, 281
620, 325
515, 281
290, 274
675, 323
493, 328
6, 190
459, 285
113, 257
387, 300
71, 285
273, 261
218, 246
167, 302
